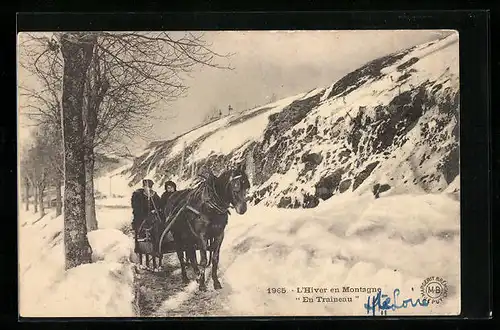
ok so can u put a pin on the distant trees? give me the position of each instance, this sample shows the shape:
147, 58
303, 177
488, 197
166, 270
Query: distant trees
110, 82
42, 166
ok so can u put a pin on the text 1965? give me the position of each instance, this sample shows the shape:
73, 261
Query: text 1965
276, 290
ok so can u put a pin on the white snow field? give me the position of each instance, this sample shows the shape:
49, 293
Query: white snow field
357, 241
234, 136
103, 288
393, 242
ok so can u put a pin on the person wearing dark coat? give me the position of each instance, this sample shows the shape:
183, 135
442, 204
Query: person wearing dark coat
145, 205
170, 187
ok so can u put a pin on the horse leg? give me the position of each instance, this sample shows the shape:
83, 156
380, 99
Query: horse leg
156, 248
216, 244
202, 244
185, 279
180, 255
147, 261
191, 255
160, 260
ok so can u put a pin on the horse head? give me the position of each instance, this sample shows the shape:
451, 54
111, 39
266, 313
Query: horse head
237, 188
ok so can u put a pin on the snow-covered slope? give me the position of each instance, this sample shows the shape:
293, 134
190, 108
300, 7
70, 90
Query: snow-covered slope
392, 124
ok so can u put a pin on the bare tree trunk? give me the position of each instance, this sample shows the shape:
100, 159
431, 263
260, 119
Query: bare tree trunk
96, 86
77, 50
58, 197
27, 194
35, 198
90, 214
40, 196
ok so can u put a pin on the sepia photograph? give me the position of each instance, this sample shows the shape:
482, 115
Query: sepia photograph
238, 173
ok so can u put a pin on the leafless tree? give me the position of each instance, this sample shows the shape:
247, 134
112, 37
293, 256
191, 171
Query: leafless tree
130, 75
76, 49
41, 166
124, 77
26, 170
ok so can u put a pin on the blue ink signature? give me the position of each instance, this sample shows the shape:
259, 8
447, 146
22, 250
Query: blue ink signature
383, 303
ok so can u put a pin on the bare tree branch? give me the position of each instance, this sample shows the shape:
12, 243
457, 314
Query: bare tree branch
140, 69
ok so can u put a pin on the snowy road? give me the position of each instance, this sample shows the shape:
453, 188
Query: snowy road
162, 294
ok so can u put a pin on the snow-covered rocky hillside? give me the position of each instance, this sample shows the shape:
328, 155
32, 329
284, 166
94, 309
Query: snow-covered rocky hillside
391, 124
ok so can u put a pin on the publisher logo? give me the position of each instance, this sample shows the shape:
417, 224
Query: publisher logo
434, 289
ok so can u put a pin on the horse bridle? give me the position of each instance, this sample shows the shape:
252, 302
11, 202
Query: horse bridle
211, 204
219, 205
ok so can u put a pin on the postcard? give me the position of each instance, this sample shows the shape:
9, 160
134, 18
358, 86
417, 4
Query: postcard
239, 173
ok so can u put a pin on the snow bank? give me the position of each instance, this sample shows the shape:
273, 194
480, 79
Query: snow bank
102, 288
114, 217
110, 245
390, 242
99, 289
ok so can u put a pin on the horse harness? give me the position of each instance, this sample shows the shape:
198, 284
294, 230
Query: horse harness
213, 201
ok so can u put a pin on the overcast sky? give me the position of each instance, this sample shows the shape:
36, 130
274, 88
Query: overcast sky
282, 62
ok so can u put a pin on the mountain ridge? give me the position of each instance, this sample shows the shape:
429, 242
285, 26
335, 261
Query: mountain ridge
393, 122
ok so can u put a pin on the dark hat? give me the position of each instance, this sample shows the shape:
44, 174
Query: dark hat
148, 182
171, 184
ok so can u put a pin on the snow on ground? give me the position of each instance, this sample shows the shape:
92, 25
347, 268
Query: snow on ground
233, 136
103, 288
278, 104
434, 47
454, 186
114, 203
379, 92
110, 245
114, 185
192, 136
357, 241
391, 242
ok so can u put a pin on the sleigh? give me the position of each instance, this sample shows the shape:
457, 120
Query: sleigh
147, 246
165, 244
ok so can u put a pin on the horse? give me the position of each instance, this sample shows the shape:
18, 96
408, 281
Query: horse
200, 216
